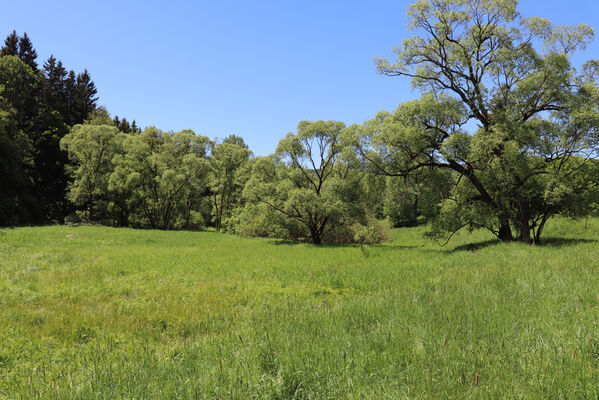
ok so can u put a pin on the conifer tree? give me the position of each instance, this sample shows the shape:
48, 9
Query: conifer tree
86, 96
55, 93
70, 86
26, 51
11, 45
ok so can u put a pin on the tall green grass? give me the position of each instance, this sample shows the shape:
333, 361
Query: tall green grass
97, 313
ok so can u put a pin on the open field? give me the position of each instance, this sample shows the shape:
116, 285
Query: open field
122, 313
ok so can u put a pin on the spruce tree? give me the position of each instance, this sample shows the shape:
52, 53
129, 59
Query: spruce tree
11, 45
70, 88
86, 96
26, 51
54, 86
124, 126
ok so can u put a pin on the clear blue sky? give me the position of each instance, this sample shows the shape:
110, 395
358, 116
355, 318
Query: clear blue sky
253, 68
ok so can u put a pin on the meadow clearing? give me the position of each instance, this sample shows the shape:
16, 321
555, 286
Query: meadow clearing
95, 312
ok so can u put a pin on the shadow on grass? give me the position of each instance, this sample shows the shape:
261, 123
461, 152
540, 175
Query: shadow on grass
560, 241
545, 242
287, 242
388, 247
476, 246
283, 242
378, 246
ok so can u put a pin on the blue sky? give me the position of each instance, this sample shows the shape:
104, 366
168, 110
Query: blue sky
252, 68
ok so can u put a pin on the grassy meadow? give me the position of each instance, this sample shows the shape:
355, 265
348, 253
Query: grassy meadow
104, 313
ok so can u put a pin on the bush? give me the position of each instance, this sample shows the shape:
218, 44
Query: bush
262, 221
375, 231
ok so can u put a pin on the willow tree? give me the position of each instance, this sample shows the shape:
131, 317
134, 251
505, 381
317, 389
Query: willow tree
90, 149
310, 183
503, 108
158, 172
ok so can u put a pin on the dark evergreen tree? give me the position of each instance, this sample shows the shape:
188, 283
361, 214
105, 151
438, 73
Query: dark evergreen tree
70, 88
135, 128
124, 126
55, 93
42, 106
26, 51
11, 45
85, 96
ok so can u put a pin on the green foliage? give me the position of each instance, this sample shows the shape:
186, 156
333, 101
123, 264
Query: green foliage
229, 173
161, 175
374, 231
311, 183
13, 196
40, 106
91, 149
261, 220
100, 116
537, 116
415, 196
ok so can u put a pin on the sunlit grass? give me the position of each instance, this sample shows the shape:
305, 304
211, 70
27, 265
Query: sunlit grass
92, 312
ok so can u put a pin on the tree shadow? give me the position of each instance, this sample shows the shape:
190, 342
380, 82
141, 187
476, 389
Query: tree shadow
561, 241
476, 245
283, 242
378, 246
288, 242
389, 247
545, 242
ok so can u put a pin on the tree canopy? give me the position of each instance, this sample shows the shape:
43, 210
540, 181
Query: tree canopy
480, 64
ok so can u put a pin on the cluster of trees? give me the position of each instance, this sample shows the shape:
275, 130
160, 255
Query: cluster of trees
505, 136
38, 106
154, 179
308, 190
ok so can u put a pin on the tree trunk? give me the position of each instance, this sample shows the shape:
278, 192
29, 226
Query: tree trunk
113, 214
415, 209
316, 236
505, 231
523, 218
90, 211
537, 236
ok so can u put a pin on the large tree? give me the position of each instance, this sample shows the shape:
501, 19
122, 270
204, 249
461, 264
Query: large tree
159, 171
91, 149
504, 109
310, 183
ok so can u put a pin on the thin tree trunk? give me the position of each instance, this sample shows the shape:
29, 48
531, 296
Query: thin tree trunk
112, 213
90, 211
415, 208
523, 220
537, 238
505, 231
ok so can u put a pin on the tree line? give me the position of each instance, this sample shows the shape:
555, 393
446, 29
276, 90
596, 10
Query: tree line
39, 104
504, 137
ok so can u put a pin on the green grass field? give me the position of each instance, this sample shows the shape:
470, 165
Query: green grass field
121, 313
